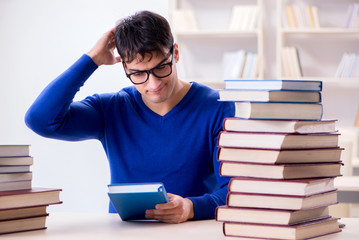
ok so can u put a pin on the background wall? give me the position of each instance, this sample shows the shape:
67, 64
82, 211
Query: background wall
40, 39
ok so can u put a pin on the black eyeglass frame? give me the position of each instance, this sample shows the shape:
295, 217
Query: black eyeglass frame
150, 70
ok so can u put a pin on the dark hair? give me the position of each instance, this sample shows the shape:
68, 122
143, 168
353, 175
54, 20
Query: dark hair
143, 33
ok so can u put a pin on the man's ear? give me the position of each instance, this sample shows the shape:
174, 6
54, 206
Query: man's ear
176, 52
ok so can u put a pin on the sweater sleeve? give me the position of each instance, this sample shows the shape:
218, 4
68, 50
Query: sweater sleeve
205, 206
55, 115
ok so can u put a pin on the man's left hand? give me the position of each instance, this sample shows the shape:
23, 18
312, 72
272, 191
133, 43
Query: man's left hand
177, 210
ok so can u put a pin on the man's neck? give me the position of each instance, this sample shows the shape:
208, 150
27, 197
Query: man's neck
178, 94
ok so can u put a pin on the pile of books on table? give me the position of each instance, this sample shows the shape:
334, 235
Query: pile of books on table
22, 207
282, 158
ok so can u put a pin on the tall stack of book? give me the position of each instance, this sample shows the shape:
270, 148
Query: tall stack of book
22, 207
282, 158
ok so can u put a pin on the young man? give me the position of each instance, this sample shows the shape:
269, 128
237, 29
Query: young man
160, 129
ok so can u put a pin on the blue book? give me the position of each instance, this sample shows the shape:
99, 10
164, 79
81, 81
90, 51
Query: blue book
287, 85
131, 200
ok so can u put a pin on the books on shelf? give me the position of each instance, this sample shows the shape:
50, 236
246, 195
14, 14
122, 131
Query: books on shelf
269, 96
240, 64
280, 171
270, 216
184, 20
348, 66
304, 230
279, 156
293, 187
291, 65
284, 111
299, 16
233, 124
133, 199
277, 140
243, 18
351, 20
286, 202
268, 84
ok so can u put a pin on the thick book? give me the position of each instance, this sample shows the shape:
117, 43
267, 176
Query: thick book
285, 111
284, 85
23, 224
15, 185
14, 150
16, 161
286, 202
270, 216
30, 197
269, 96
13, 177
132, 200
273, 156
280, 171
284, 126
293, 187
277, 140
305, 230
24, 212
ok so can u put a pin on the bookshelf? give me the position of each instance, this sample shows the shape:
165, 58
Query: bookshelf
207, 30
333, 29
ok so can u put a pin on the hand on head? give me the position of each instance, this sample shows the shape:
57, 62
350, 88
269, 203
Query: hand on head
103, 51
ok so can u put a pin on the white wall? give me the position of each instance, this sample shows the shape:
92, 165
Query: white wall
38, 40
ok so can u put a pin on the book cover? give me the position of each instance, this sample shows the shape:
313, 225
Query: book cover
305, 230
279, 126
132, 200
270, 216
277, 140
284, 110
275, 156
289, 187
268, 84
280, 171
269, 96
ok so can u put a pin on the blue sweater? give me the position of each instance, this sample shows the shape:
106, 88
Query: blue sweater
178, 149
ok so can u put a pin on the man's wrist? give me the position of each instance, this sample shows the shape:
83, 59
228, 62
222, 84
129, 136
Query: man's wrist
191, 210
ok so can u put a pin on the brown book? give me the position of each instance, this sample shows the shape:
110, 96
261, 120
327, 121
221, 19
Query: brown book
277, 140
27, 198
23, 224
280, 171
285, 202
271, 110
13, 186
15, 161
278, 126
273, 156
294, 187
15, 213
269, 96
14, 150
305, 230
269, 216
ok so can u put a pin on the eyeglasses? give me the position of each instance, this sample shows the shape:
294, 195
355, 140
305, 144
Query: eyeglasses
159, 71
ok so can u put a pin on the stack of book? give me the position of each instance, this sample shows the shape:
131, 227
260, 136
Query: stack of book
22, 207
282, 159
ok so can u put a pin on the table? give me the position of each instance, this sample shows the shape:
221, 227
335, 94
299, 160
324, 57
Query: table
78, 226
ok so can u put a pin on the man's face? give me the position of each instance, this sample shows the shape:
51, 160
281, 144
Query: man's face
155, 89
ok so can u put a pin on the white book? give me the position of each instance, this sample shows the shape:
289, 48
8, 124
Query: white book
248, 65
233, 64
299, 16
184, 20
315, 16
340, 68
353, 16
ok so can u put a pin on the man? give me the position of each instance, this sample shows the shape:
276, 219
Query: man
160, 129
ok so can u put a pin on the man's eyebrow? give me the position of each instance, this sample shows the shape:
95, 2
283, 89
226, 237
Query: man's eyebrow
138, 70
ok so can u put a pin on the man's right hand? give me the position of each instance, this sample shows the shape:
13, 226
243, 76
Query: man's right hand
103, 51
